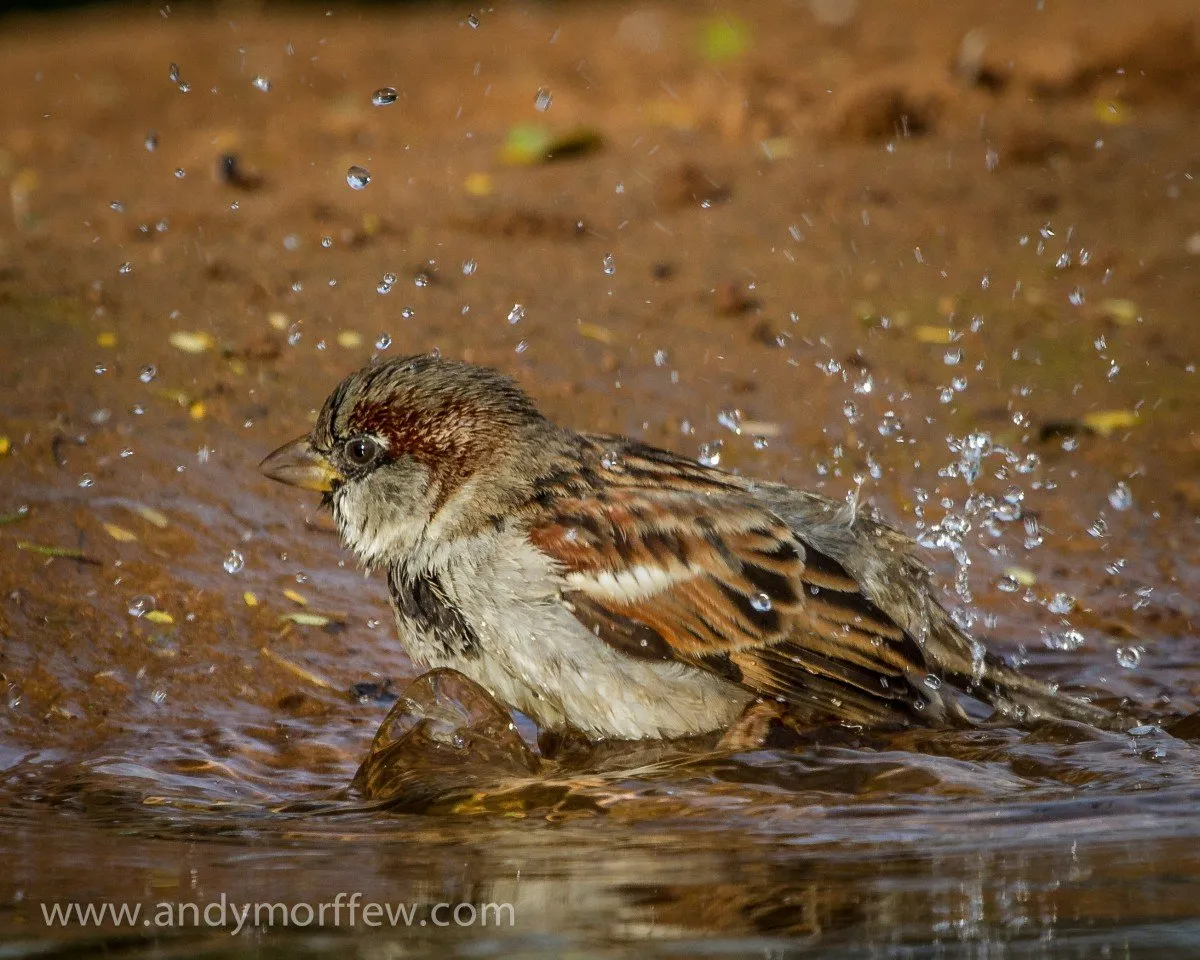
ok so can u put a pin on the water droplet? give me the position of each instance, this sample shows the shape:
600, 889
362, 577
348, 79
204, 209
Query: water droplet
1129, 657
865, 384
952, 357
386, 284
761, 442
1063, 639
611, 459
124, 268
87, 480
384, 341
890, 425
469, 267
384, 96
760, 602
262, 83
730, 420
710, 453
100, 369
932, 682
542, 101
173, 73
1060, 603
293, 334
522, 346
358, 177
148, 373
850, 411
516, 314
1007, 584
610, 264
473, 21
141, 605
180, 173
234, 562
1120, 496
151, 141
117, 206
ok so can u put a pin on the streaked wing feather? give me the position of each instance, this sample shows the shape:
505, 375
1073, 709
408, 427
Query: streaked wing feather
665, 559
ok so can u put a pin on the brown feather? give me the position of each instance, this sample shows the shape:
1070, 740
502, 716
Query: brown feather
729, 587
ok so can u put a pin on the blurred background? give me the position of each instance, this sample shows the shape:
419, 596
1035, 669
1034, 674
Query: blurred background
945, 255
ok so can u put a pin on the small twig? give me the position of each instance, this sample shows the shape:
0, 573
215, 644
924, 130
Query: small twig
61, 553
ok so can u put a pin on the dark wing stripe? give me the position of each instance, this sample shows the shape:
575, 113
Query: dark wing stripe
823, 571
626, 634
746, 600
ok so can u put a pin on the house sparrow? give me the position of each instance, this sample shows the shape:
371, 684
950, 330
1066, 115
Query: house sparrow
602, 585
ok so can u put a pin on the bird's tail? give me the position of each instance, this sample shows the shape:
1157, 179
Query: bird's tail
1024, 699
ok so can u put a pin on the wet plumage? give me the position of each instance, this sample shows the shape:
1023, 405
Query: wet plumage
599, 583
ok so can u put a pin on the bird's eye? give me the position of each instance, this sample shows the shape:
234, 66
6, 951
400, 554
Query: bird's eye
361, 451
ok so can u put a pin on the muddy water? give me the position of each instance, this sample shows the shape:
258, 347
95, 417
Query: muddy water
953, 258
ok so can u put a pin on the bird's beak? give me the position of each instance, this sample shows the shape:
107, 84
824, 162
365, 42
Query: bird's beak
299, 465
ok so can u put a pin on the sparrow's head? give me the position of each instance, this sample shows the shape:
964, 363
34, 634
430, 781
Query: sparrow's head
415, 449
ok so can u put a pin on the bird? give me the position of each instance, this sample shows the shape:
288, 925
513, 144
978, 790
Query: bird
608, 588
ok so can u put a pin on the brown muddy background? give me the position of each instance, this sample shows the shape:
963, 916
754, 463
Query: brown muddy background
863, 232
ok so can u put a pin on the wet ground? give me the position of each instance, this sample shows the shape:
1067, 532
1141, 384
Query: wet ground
949, 252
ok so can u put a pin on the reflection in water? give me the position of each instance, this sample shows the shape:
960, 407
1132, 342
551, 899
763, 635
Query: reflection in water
881, 841
973, 295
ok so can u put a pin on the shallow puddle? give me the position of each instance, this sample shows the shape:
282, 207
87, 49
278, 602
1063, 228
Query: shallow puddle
954, 260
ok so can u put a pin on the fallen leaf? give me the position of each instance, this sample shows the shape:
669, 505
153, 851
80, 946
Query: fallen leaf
304, 674
191, 342
120, 534
926, 333
306, 619
594, 331
153, 517
478, 184
1107, 422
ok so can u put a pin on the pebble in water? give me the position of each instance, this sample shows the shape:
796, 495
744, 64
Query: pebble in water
358, 177
234, 562
384, 96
